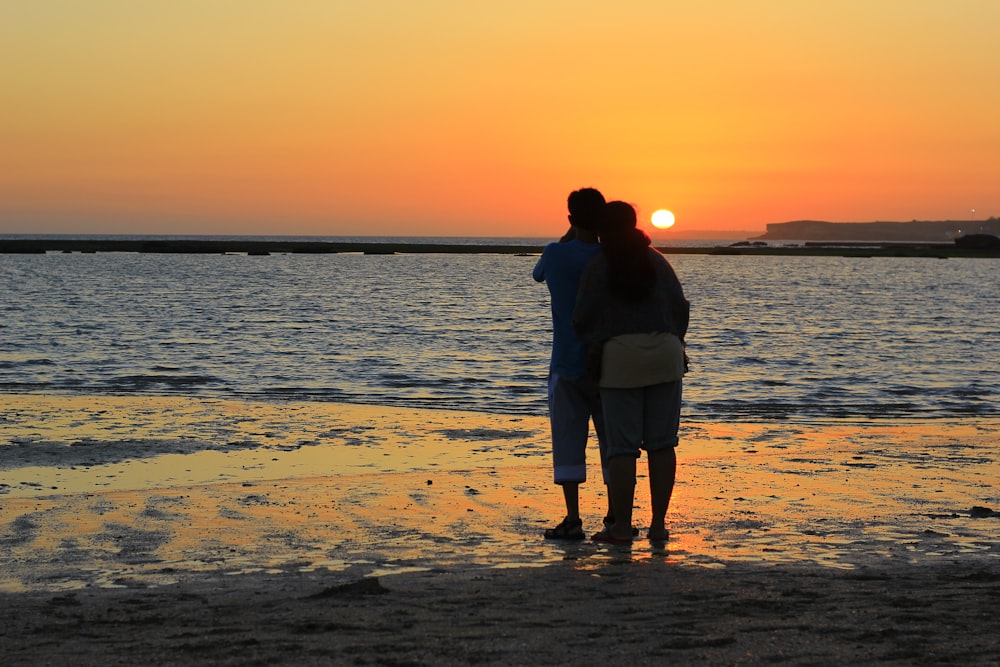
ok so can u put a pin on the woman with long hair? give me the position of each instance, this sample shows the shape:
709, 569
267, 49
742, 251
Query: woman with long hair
632, 312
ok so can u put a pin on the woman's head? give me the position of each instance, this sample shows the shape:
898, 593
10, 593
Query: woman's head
630, 270
619, 217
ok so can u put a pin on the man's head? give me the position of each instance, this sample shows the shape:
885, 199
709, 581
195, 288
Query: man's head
586, 207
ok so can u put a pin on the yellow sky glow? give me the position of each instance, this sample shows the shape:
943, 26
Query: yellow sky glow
444, 118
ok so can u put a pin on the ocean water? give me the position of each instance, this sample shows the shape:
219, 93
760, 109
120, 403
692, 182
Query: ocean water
772, 338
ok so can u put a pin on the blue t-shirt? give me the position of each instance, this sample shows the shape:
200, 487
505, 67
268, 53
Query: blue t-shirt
560, 267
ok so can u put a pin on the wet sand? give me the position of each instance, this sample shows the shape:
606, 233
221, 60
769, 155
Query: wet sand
291, 533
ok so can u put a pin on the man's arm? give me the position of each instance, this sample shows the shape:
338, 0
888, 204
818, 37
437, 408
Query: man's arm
539, 272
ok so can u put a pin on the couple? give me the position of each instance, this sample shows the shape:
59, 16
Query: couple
619, 318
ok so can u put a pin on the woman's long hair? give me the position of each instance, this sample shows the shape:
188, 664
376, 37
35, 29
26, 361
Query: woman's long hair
631, 273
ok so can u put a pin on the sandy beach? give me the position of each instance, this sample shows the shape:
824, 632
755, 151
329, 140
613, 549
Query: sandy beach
177, 530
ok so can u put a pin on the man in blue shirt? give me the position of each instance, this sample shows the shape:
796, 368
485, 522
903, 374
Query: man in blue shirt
574, 398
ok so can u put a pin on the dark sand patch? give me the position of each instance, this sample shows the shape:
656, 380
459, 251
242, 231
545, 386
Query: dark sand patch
622, 613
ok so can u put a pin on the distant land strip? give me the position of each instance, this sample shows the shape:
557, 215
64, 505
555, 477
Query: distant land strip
249, 247
916, 231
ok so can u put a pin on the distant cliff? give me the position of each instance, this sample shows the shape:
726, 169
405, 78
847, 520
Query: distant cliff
917, 231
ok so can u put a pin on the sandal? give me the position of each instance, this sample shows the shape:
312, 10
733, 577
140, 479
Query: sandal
664, 539
568, 529
610, 521
606, 537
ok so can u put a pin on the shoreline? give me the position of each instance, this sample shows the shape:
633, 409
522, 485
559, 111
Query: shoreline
263, 248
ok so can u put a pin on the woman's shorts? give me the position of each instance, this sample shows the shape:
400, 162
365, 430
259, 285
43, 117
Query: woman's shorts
641, 418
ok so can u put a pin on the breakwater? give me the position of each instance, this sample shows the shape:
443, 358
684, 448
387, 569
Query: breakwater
257, 247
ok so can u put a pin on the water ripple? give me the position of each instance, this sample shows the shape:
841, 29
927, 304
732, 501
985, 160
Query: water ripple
771, 337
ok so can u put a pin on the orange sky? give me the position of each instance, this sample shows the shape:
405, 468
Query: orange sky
426, 117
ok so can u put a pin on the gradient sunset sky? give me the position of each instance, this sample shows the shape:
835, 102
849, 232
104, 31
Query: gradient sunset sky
427, 117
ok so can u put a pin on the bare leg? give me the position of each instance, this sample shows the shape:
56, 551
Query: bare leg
570, 528
571, 494
621, 487
662, 471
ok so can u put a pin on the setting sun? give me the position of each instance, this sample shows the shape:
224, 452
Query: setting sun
663, 219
